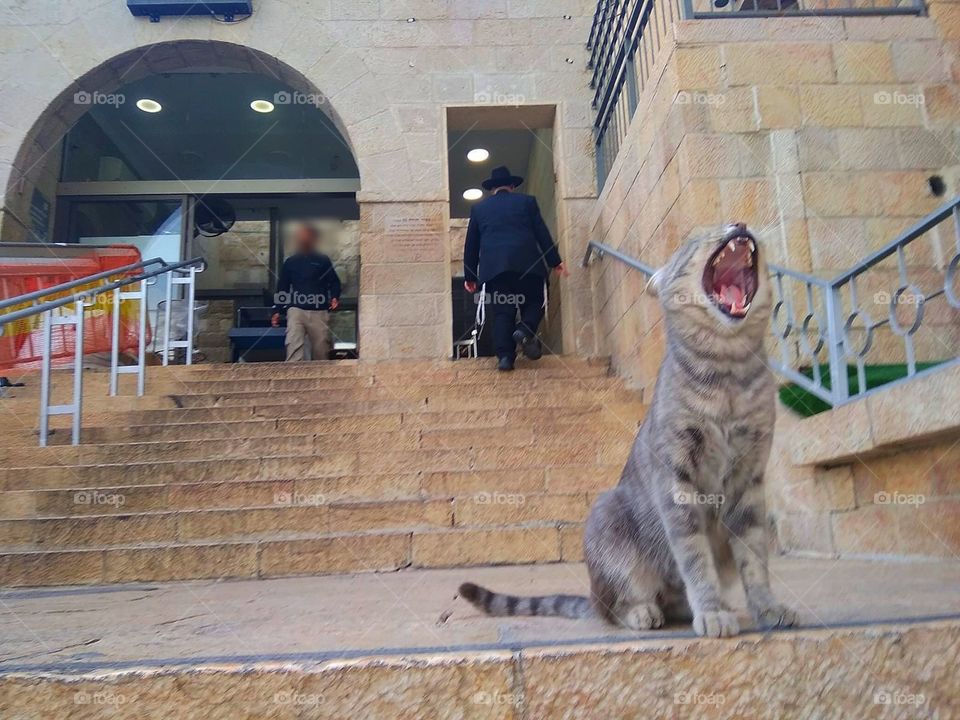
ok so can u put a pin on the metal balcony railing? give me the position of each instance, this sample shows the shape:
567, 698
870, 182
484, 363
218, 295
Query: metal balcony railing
897, 308
627, 35
182, 273
624, 42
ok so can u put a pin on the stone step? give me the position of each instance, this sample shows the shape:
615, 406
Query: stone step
313, 516
499, 487
400, 444
289, 513
230, 407
95, 384
385, 370
291, 554
412, 386
295, 466
401, 645
170, 425
370, 399
431, 415
381, 372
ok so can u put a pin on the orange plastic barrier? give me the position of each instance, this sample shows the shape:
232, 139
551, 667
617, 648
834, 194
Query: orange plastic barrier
21, 342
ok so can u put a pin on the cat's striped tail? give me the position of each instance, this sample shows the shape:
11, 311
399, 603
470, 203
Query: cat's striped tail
492, 603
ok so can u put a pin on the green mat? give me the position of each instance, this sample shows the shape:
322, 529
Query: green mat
805, 403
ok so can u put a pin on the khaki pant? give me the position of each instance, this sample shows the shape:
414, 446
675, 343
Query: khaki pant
304, 325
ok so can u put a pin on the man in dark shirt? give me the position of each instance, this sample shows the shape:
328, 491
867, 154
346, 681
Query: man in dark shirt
308, 289
508, 249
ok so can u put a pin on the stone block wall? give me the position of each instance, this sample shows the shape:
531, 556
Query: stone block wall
405, 308
821, 133
879, 477
213, 338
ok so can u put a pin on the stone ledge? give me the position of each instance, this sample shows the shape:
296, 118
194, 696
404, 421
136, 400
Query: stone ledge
306, 621
913, 412
848, 672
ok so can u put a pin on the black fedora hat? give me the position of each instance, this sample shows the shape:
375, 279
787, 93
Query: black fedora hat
500, 177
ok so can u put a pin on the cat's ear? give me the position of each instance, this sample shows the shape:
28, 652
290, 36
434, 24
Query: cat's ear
653, 284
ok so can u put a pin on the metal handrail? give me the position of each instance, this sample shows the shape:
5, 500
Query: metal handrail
911, 233
600, 249
80, 300
93, 292
908, 235
832, 310
70, 284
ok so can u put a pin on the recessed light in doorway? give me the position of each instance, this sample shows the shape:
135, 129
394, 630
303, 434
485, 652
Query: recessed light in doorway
262, 106
472, 194
148, 105
478, 155
411, 19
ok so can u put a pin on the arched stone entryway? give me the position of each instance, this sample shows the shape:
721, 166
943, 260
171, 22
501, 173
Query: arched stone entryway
403, 229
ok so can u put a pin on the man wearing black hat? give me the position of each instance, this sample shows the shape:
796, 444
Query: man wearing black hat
508, 249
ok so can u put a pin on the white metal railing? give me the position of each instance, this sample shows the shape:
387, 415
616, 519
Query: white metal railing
825, 330
182, 273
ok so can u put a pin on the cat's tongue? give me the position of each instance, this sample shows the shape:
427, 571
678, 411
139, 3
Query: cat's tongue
731, 295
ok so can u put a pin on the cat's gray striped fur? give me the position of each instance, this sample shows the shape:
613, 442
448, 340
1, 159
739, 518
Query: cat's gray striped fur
688, 517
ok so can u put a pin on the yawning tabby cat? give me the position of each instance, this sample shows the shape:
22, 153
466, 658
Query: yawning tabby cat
688, 518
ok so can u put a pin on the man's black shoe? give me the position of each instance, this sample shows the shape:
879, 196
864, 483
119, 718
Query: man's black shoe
529, 345
505, 364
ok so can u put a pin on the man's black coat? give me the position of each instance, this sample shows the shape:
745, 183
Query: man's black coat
507, 234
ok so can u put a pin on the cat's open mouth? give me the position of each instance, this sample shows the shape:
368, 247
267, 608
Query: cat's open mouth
730, 277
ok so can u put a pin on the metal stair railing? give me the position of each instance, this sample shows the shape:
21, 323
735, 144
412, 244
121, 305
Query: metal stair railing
825, 324
181, 273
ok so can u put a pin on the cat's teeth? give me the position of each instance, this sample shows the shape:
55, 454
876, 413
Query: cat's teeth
753, 246
717, 259
732, 245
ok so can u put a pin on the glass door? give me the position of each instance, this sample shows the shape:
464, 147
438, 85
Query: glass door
154, 225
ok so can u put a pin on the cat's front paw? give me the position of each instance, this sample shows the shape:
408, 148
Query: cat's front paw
643, 616
774, 616
715, 624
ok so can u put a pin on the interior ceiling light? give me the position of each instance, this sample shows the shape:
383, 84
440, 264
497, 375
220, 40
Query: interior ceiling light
472, 194
149, 106
411, 19
478, 155
262, 106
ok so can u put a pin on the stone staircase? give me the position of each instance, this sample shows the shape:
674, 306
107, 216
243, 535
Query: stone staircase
271, 470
